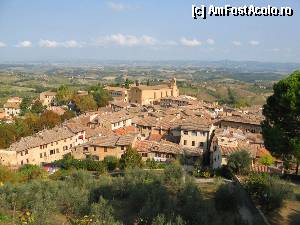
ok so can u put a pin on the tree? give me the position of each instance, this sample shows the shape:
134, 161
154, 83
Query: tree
49, 119
37, 107
239, 162
281, 127
64, 94
100, 95
67, 115
266, 160
85, 103
131, 159
24, 106
128, 82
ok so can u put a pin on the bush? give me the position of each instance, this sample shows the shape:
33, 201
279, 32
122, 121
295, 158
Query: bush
30, 172
152, 164
227, 198
111, 162
239, 162
224, 171
266, 160
269, 191
6, 175
131, 159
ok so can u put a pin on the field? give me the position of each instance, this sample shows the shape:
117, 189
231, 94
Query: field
208, 84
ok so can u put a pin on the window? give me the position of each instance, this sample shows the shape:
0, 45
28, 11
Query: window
52, 152
65, 140
95, 149
185, 142
144, 154
56, 142
201, 144
26, 152
122, 147
45, 154
65, 148
51, 143
41, 146
21, 153
57, 150
27, 160
41, 155
71, 145
105, 149
185, 132
21, 162
194, 133
85, 148
193, 143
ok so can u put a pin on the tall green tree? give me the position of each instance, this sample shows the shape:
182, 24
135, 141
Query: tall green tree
281, 127
100, 95
131, 159
25, 105
37, 107
239, 162
64, 94
85, 103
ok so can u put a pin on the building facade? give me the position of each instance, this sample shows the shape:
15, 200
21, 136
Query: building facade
146, 95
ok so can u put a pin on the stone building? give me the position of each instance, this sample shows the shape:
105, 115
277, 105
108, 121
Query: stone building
145, 95
101, 147
43, 147
118, 93
12, 106
47, 98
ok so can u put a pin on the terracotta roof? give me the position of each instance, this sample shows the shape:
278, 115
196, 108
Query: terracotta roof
265, 169
13, 105
195, 123
124, 130
156, 87
162, 147
114, 140
225, 150
262, 152
41, 138
155, 137
58, 110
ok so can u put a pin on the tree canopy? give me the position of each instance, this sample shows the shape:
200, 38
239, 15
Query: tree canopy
239, 162
281, 127
100, 95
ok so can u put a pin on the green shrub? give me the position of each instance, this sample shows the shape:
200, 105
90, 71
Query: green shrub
227, 197
269, 191
239, 162
266, 160
30, 172
111, 162
131, 159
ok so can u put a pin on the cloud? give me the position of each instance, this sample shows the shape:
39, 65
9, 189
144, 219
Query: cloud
275, 50
2, 44
254, 43
117, 7
237, 43
48, 44
24, 44
55, 44
126, 40
72, 44
210, 41
190, 42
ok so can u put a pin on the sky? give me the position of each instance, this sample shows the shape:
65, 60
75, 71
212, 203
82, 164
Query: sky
35, 30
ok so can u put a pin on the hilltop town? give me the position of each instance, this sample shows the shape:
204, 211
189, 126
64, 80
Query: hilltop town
156, 120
